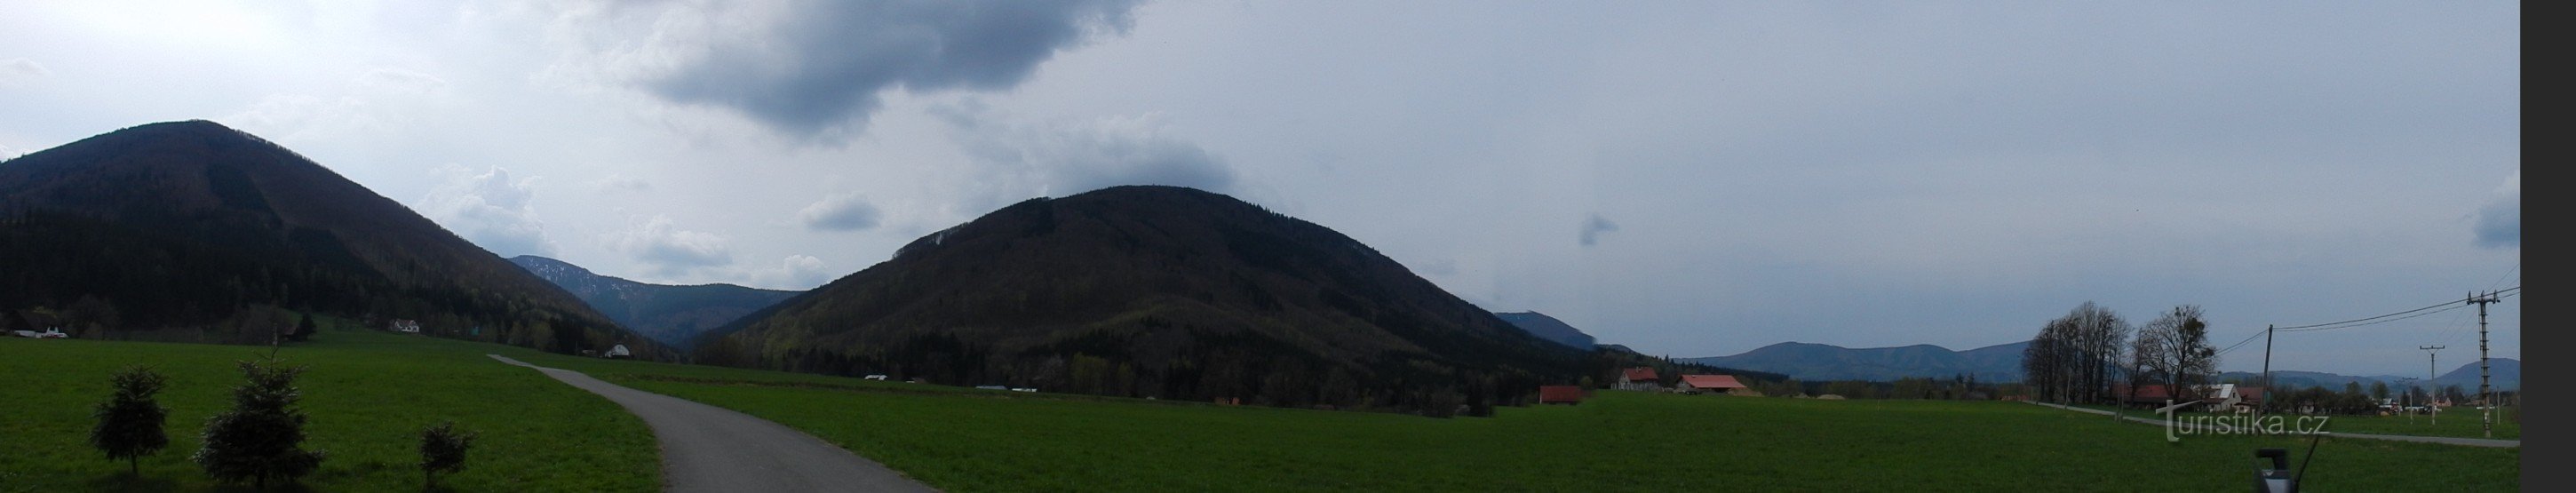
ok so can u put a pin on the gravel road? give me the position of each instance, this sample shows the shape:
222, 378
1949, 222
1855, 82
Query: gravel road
713, 449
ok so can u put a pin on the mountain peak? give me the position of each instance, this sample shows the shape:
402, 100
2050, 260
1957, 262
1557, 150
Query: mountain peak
242, 221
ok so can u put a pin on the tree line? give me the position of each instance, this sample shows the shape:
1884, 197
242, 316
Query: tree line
2079, 357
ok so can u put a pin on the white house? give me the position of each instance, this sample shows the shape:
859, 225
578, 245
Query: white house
406, 325
617, 351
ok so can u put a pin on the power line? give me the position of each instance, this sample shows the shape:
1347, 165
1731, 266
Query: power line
2232, 347
2435, 308
2517, 266
2365, 324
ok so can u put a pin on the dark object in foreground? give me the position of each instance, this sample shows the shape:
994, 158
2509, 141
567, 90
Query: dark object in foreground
2278, 478
261, 436
129, 423
442, 449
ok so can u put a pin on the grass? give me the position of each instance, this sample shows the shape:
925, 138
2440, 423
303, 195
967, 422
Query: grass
2459, 422
367, 394
967, 440
370, 393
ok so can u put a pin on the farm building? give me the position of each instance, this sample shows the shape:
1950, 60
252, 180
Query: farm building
406, 325
1715, 384
617, 351
2142, 395
1560, 394
1640, 378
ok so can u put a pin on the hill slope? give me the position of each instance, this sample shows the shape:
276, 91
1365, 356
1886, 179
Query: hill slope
1819, 362
1549, 328
666, 313
182, 225
1154, 291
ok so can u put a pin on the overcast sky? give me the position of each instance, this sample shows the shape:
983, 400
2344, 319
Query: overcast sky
1685, 178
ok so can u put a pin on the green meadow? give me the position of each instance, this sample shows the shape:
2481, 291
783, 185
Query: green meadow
367, 396
969, 440
370, 393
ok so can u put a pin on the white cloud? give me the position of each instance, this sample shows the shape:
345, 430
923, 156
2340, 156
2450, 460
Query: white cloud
844, 212
621, 182
1017, 160
805, 270
373, 102
489, 209
2500, 221
21, 72
672, 251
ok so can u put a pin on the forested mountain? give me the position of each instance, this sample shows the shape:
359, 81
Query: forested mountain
1549, 328
195, 227
1155, 291
1822, 362
666, 313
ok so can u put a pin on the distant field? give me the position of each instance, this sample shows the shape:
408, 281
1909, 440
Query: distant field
368, 395
370, 392
2460, 423
967, 440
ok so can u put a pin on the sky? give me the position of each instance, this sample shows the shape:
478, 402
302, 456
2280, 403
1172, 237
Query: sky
1684, 178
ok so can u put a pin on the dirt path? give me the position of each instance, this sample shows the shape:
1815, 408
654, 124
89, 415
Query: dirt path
713, 449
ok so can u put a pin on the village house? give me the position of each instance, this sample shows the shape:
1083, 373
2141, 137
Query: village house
1640, 378
1560, 394
1716, 384
406, 325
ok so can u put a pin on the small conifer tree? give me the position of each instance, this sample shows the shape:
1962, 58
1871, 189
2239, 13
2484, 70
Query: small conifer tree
259, 438
129, 422
442, 450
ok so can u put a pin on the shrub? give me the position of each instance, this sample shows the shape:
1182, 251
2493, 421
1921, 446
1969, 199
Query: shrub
129, 423
258, 438
442, 449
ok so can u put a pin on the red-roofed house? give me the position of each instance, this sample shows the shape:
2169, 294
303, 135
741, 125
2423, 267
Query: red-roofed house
2150, 395
1715, 384
1640, 378
1560, 394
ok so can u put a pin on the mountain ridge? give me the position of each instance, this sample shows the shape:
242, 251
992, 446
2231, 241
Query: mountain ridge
672, 314
121, 220
1168, 291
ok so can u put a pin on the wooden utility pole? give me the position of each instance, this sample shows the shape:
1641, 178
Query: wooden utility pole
2431, 366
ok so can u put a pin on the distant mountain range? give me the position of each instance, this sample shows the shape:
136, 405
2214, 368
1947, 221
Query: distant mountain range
194, 226
1821, 362
667, 313
1156, 291
1549, 328
2002, 363
2507, 373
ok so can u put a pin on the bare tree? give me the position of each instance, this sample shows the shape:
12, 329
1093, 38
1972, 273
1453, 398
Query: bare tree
2174, 350
2076, 357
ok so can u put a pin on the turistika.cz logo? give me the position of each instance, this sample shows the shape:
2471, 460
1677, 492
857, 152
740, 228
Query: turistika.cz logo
2244, 423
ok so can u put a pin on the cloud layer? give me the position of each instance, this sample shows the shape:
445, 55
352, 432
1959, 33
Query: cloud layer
1074, 156
2500, 221
1594, 227
672, 251
844, 212
489, 209
808, 67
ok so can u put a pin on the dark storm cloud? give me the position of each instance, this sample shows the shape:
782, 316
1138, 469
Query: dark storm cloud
824, 63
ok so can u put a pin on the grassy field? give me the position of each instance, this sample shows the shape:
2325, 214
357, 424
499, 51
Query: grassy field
368, 395
967, 440
556, 438
2460, 423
